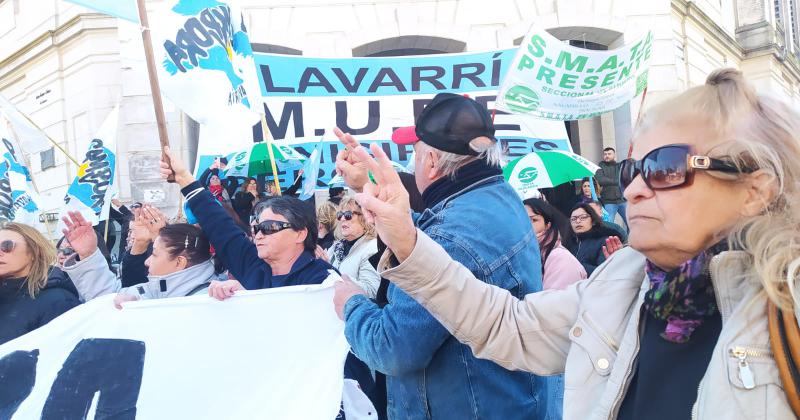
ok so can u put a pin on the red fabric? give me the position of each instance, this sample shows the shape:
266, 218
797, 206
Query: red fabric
216, 191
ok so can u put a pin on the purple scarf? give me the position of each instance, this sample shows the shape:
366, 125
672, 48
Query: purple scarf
683, 297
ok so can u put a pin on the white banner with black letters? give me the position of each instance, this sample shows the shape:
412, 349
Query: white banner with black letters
271, 354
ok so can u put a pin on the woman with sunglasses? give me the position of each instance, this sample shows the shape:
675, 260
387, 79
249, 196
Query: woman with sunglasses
179, 265
559, 267
351, 253
590, 237
674, 326
284, 238
28, 299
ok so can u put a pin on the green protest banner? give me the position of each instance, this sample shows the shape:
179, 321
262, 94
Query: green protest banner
552, 80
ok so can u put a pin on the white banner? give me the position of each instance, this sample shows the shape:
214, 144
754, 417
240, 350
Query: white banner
30, 138
269, 354
551, 79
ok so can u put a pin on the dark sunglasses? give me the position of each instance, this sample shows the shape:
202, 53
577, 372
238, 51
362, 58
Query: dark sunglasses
268, 227
671, 166
7, 246
348, 215
67, 251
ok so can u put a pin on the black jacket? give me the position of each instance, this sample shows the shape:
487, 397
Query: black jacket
608, 178
588, 247
132, 269
237, 253
21, 314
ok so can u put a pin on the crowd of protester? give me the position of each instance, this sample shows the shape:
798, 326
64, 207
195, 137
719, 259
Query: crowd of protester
461, 300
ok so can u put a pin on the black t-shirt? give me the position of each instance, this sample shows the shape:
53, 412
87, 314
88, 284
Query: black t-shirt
668, 374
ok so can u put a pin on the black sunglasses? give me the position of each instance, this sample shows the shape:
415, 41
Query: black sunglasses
671, 166
67, 251
268, 227
348, 215
7, 246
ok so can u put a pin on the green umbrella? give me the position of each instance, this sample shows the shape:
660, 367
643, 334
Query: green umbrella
546, 169
255, 160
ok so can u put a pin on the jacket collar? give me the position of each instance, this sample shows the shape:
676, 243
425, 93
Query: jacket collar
464, 179
731, 276
199, 274
11, 288
301, 262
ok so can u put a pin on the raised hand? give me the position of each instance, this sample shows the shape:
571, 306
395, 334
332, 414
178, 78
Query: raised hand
80, 234
613, 244
349, 165
385, 203
174, 166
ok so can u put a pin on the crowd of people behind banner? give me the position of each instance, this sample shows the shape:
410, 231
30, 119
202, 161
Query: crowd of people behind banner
460, 300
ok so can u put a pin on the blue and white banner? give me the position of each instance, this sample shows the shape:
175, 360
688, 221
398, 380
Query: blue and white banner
18, 197
369, 97
91, 191
123, 9
205, 62
262, 354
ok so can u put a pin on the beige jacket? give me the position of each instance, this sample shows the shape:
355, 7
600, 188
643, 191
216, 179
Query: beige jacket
590, 331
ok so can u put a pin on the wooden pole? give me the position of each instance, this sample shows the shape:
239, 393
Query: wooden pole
638, 116
268, 138
155, 89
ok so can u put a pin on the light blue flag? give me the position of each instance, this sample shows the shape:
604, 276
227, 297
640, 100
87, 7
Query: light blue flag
18, 197
123, 9
311, 171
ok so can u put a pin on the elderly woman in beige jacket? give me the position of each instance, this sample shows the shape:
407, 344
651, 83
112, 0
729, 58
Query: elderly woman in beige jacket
675, 325
355, 245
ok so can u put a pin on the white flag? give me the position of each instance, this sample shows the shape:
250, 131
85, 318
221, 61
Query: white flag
91, 190
29, 137
266, 354
18, 197
205, 62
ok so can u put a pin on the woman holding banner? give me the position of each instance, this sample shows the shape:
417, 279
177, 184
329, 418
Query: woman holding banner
27, 299
713, 191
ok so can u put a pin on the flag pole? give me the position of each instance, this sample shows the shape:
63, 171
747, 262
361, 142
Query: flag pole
50, 139
268, 138
638, 116
155, 89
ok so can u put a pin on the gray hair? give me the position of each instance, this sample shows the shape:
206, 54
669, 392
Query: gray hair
489, 151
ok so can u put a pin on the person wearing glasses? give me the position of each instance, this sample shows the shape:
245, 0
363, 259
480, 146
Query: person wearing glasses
28, 299
180, 263
284, 238
559, 267
590, 237
350, 254
675, 325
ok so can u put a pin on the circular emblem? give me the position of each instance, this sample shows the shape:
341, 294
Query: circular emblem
528, 175
521, 99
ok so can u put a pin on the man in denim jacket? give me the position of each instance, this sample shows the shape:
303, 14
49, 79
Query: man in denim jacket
478, 218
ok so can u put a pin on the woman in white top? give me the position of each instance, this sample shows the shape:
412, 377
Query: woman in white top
356, 243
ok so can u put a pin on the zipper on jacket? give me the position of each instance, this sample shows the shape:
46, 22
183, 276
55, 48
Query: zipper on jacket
745, 373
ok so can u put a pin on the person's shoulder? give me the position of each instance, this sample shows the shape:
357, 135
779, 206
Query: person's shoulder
56, 293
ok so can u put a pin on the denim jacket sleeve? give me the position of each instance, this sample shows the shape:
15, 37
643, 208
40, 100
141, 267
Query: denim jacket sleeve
400, 338
403, 336
235, 251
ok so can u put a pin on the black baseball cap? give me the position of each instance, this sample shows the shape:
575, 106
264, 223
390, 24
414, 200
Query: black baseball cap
449, 123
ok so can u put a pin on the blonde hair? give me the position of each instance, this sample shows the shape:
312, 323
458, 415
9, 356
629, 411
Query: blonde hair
326, 214
762, 132
42, 253
347, 203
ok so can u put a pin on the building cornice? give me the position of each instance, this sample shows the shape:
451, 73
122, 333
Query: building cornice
688, 10
69, 30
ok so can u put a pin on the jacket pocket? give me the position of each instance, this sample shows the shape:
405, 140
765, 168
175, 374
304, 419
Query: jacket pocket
592, 355
755, 382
